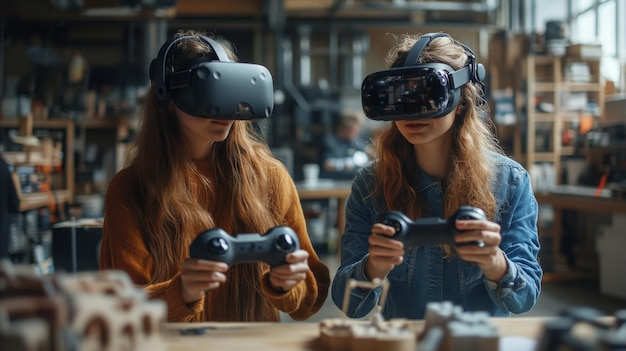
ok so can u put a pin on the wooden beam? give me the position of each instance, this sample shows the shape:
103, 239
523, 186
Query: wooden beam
308, 4
219, 7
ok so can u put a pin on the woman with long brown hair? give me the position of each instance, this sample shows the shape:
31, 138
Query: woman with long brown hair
190, 172
437, 155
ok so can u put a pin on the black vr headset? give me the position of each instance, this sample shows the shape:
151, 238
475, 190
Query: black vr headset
220, 89
417, 91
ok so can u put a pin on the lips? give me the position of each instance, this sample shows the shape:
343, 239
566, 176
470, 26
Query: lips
415, 126
223, 123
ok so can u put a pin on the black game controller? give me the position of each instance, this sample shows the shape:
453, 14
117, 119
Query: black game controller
430, 230
271, 248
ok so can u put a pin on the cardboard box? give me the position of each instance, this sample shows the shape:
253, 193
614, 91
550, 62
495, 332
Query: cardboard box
584, 50
616, 108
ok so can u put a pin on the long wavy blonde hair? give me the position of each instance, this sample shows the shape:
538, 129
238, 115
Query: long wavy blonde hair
168, 185
468, 182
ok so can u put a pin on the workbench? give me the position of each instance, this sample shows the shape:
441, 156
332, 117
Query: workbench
583, 199
303, 336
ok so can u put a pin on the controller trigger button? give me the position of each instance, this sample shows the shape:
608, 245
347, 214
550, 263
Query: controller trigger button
217, 245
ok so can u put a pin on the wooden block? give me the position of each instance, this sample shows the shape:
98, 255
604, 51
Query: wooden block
358, 335
335, 334
363, 338
101, 310
29, 334
111, 313
53, 310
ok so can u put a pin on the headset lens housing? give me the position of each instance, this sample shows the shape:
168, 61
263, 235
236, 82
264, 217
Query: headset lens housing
224, 90
416, 92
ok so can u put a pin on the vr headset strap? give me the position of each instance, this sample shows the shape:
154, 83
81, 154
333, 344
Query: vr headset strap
416, 50
217, 49
460, 77
165, 49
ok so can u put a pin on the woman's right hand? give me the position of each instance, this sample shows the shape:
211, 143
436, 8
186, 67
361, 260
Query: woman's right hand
199, 275
384, 252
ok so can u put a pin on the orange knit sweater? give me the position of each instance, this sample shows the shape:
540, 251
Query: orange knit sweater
123, 248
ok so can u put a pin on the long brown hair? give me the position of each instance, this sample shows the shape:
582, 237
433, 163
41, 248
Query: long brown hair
470, 165
168, 185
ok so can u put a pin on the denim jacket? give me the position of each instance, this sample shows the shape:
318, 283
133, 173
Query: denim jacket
425, 275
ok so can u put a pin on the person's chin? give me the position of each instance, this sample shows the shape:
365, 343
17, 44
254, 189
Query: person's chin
221, 136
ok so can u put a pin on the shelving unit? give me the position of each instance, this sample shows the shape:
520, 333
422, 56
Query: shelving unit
548, 104
58, 196
554, 102
102, 131
56, 193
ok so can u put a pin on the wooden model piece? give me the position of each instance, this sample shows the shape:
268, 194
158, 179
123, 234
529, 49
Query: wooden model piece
88, 311
448, 328
110, 313
342, 334
27, 301
26, 334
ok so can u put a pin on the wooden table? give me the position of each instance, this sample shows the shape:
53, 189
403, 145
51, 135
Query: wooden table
304, 336
582, 199
325, 189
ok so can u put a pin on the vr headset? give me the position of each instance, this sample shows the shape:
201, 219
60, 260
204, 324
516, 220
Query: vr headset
417, 91
220, 89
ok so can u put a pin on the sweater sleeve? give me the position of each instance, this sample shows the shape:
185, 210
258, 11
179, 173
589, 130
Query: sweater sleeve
123, 248
306, 298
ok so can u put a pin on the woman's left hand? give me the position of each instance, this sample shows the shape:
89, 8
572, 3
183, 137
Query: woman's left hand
489, 257
286, 276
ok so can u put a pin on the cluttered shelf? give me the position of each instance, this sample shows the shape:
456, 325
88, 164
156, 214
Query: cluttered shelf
96, 123
44, 199
41, 159
47, 123
96, 138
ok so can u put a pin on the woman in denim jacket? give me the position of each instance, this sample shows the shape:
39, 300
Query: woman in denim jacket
428, 165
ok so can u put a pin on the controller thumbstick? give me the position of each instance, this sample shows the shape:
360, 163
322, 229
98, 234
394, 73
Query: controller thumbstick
468, 213
393, 223
285, 243
217, 246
